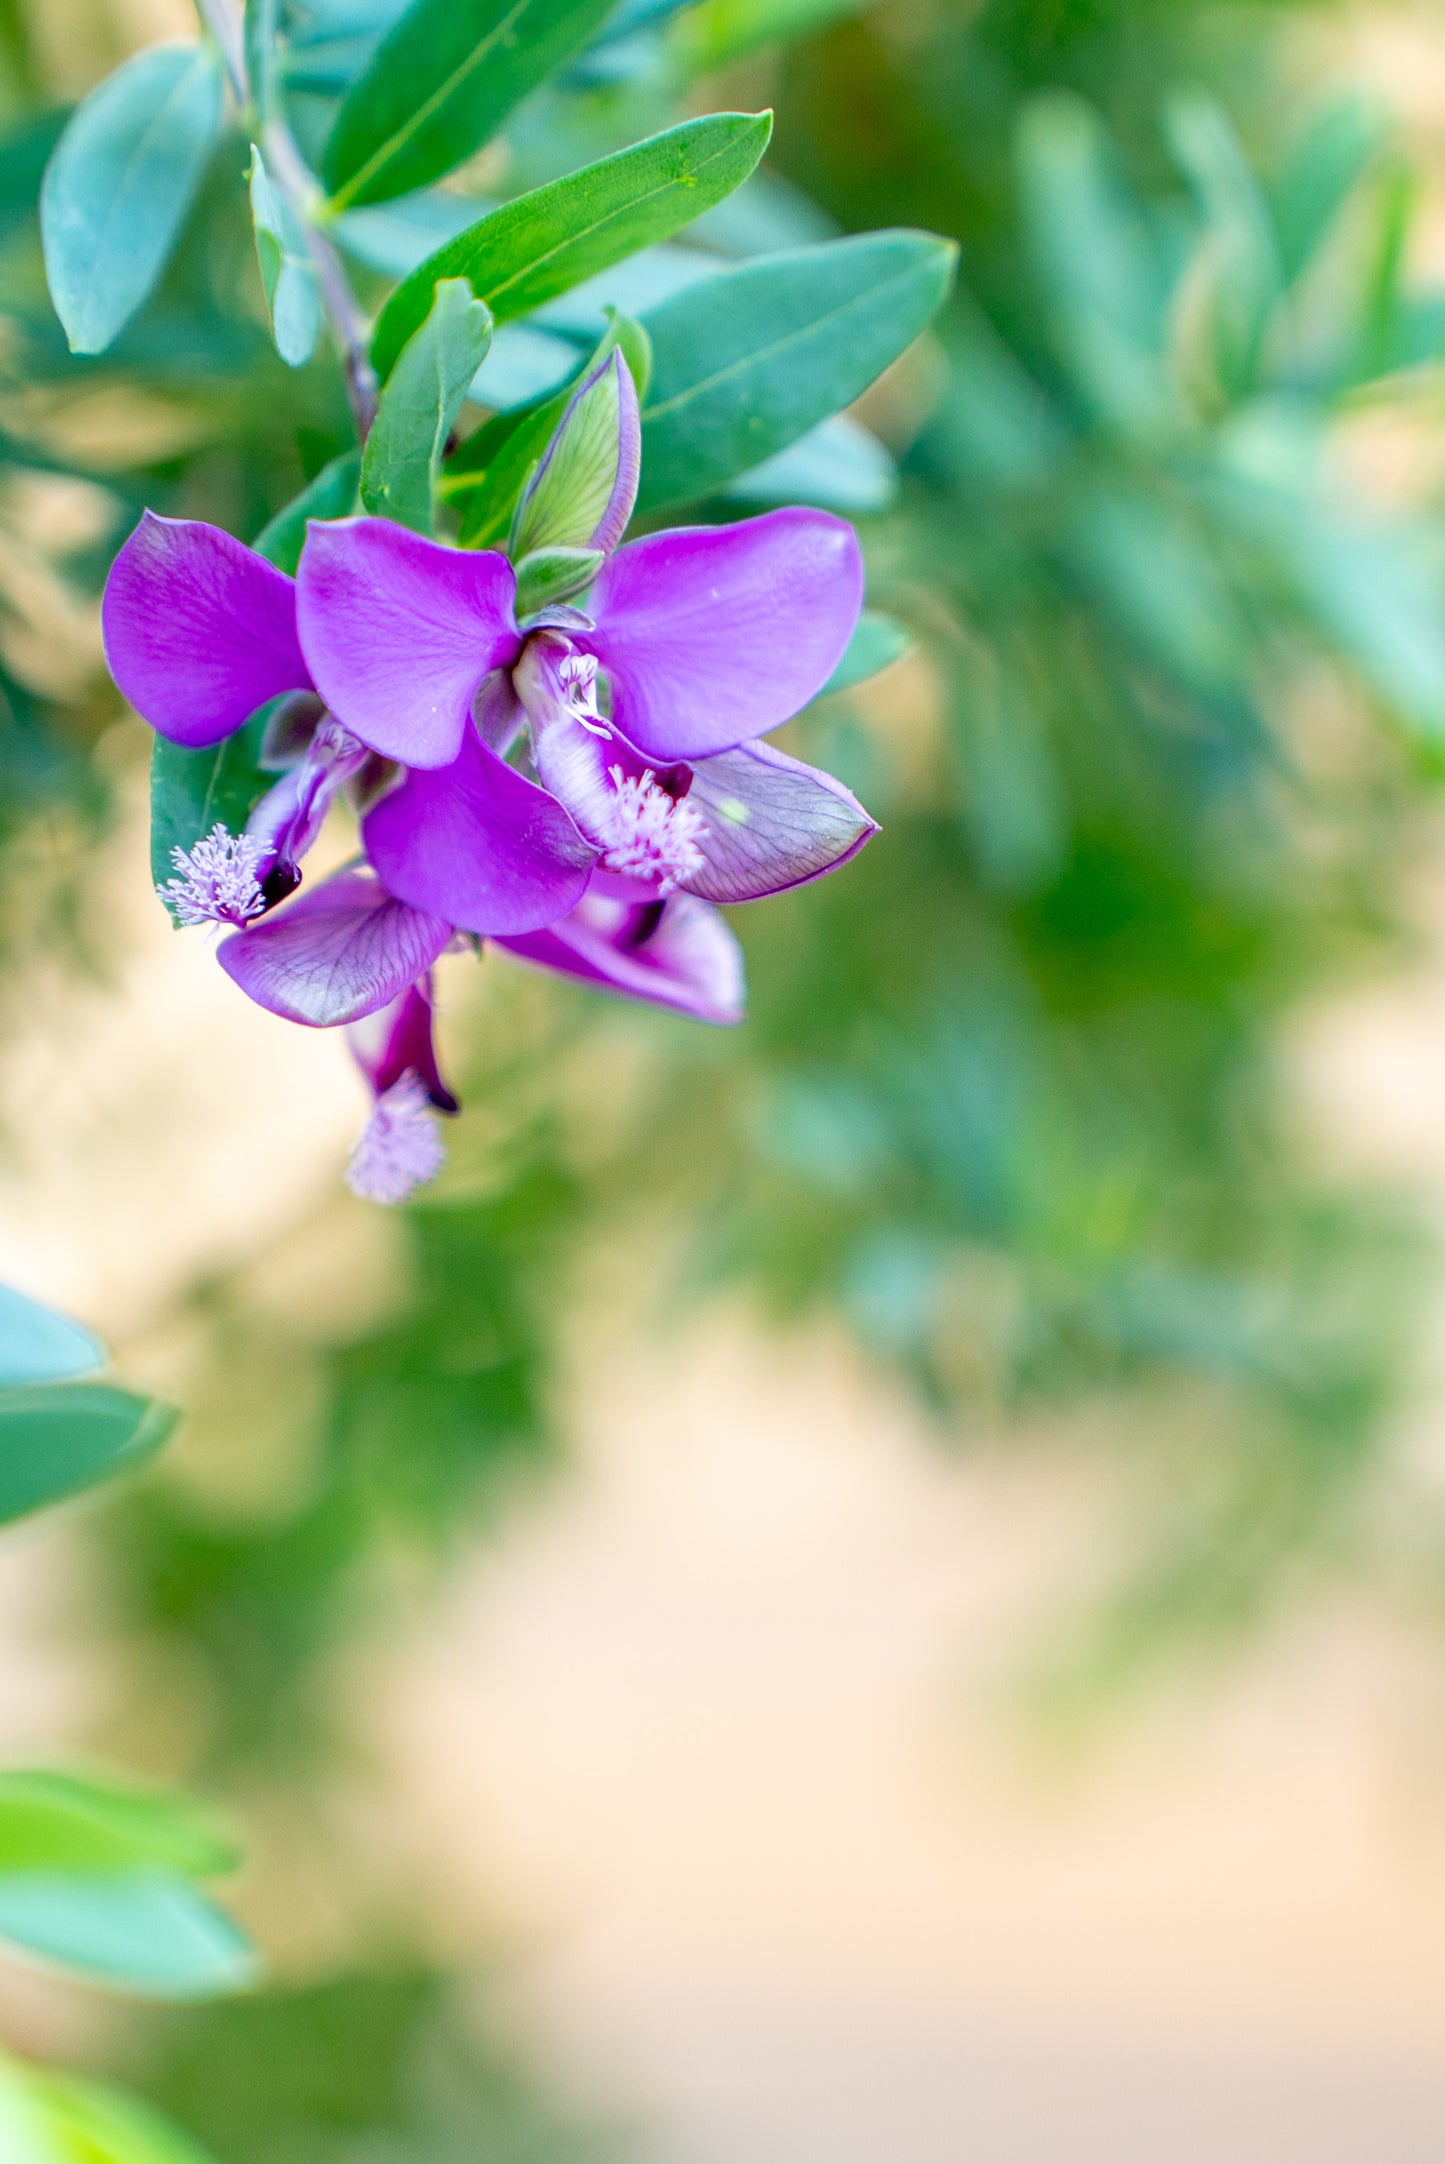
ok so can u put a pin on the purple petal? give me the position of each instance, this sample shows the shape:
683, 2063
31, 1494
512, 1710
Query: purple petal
679, 953
479, 845
771, 822
400, 632
711, 635
199, 630
341, 950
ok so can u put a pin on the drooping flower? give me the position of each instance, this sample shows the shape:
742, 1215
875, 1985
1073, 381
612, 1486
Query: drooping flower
563, 754
399, 1148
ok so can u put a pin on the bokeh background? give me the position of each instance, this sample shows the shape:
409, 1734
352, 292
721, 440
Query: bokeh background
869, 1587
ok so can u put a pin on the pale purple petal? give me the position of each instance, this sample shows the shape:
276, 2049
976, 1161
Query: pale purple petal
199, 630
770, 822
478, 844
711, 635
679, 953
400, 632
337, 952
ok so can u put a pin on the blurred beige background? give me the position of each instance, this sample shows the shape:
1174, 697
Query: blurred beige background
718, 1735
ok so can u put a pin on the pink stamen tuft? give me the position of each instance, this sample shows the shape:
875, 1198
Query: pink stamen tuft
217, 882
399, 1148
654, 836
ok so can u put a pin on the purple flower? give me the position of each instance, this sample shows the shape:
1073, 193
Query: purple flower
642, 679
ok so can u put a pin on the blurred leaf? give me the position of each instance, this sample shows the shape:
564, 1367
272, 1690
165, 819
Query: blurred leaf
747, 362
876, 644
57, 1440
97, 2125
61, 1822
332, 494
440, 84
121, 180
543, 243
1242, 271
292, 295
720, 31
1097, 271
1321, 173
395, 237
421, 400
39, 1346
838, 465
147, 1931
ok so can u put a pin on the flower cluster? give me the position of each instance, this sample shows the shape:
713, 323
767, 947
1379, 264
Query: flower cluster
579, 780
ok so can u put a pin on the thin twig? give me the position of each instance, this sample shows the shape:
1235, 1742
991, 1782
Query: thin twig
293, 177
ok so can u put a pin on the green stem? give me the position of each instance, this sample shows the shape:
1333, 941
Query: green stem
289, 171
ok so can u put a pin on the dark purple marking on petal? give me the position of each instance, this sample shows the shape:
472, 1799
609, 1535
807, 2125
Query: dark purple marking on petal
397, 1040
679, 953
199, 630
341, 951
478, 844
400, 632
711, 635
772, 823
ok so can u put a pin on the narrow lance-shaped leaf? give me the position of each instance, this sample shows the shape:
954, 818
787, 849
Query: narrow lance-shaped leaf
421, 401
292, 294
57, 1439
550, 240
68, 1822
440, 84
118, 187
147, 1931
39, 1346
97, 2125
745, 363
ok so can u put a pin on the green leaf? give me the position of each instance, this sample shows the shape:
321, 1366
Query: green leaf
293, 297
422, 399
117, 190
97, 2125
747, 362
57, 1439
39, 1346
27, 2134
331, 494
148, 1931
547, 242
192, 791
440, 85
838, 465
877, 642
61, 1822
723, 30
